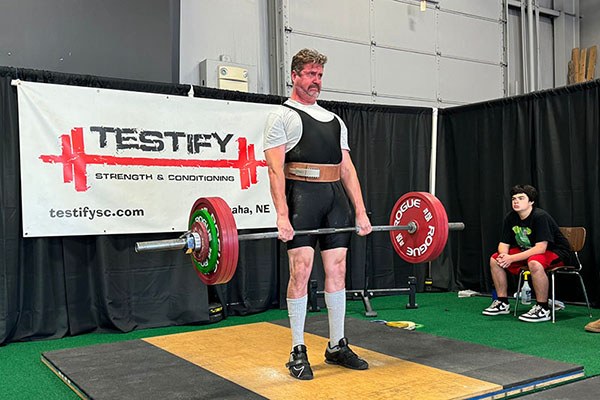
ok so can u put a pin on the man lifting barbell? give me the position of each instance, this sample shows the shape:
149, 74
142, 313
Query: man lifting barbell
311, 206
313, 181
310, 172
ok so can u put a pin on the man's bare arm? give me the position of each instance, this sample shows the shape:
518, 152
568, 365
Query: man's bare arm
275, 161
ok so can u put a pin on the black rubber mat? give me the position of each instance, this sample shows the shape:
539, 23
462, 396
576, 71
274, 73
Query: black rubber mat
137, 370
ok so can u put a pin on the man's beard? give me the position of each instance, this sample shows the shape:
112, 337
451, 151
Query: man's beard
313, 93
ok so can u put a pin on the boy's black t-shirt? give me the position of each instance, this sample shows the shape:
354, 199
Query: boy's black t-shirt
539, 226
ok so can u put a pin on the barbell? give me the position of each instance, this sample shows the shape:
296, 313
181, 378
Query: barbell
212, 238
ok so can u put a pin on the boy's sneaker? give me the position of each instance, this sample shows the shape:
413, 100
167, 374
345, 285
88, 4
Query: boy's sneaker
497, 308
298, 365
536, 314
342, 355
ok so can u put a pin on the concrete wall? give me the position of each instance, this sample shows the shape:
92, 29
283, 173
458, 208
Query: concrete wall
393, 52
131, 39
381, 51
236, 29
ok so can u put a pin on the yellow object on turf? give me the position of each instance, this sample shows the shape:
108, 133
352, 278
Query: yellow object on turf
408, 325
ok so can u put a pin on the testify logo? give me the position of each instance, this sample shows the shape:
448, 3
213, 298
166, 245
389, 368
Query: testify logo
75, 160
129, 138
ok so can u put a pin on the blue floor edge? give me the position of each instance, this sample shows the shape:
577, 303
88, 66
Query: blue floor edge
530, 386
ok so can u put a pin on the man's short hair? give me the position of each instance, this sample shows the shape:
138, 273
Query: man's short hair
307, 56
529, 190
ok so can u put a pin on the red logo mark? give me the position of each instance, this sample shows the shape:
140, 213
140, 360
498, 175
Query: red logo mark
75, 161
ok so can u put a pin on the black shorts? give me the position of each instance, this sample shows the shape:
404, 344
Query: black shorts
315, 205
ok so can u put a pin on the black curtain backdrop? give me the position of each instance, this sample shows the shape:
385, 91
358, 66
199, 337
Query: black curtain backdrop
549, 139
54, 287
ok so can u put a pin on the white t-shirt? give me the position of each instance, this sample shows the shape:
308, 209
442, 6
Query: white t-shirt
284, 126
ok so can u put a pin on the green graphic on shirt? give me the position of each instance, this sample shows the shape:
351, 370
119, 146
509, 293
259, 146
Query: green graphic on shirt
522, 236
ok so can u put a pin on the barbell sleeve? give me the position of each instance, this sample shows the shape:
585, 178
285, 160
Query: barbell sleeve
161, 245
456, 226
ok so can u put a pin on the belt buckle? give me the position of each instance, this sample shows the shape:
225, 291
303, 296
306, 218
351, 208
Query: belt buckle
313, 173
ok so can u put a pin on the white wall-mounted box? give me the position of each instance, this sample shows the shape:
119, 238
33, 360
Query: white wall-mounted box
228, 75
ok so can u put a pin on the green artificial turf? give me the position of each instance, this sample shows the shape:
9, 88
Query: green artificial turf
24, 376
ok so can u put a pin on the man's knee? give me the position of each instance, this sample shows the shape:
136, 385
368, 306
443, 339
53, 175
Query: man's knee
334, 263
535, 266
301, 261
337, 262
494, 264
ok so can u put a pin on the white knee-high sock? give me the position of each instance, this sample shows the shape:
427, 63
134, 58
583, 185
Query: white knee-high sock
297, 315
336, 313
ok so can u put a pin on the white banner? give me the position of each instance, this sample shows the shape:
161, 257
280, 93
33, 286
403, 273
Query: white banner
97, 161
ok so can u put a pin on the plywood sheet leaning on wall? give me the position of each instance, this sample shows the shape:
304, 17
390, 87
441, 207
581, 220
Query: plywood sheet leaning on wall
582, 66
591, 63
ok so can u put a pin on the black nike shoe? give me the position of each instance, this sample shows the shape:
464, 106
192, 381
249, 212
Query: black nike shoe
298, 365
344, 356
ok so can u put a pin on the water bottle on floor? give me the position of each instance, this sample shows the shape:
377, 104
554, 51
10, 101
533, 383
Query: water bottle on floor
525, 289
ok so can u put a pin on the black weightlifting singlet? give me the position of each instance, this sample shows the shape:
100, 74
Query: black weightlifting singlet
319, 143
314, 205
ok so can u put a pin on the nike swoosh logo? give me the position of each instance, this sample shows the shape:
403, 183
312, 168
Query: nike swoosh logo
301, 369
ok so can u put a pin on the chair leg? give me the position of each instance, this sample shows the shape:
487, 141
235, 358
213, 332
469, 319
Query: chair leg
553, 308
518, 297
585, 294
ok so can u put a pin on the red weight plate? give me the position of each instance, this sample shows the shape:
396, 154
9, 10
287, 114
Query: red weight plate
229, 250
226, 238
229, 245
222, 273
442, 226
229, 238
428, 213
